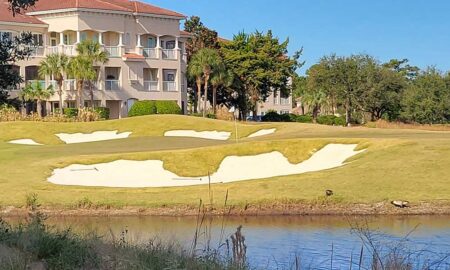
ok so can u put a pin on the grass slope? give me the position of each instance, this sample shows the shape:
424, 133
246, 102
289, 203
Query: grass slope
398, 164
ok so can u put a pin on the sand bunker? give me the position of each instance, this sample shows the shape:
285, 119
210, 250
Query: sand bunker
262, 132
210, 135
25, 142
151, 173
92, 137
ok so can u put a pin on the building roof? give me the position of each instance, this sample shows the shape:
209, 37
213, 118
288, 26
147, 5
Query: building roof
7, 16
130, 6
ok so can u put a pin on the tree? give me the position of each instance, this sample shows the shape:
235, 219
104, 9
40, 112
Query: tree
262, 65
93, 53
220, 77
208, 61
427, 99
82, 70
402, 67
55, 65
17, 6
35, 91
299, 84
195, 73
11, 51
202, 37
315, 99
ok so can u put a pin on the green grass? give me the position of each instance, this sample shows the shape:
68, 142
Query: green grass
398, 164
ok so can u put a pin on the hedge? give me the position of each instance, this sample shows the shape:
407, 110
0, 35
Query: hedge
103, 112
149, 107
70, 112
331, 120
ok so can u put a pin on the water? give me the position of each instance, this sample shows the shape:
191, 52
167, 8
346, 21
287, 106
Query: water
275, 242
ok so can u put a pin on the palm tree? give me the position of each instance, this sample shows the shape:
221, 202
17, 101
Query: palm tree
82, 70
35, 91
195, 72
92, 51
315, 99
220, 77
208, 61
55, 65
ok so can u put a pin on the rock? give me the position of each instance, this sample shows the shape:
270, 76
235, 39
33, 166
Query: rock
400, 204
329, 193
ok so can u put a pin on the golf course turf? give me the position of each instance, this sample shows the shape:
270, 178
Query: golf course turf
398, 164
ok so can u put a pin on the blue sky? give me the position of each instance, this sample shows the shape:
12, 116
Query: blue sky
415, 29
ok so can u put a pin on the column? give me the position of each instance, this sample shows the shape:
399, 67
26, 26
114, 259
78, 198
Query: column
177, 48
121, 45
160, 79
78, 37
61, 42
158, 48
139, 47
100, 38
44, 36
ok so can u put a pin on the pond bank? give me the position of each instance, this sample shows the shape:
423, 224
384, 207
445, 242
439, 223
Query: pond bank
326, 209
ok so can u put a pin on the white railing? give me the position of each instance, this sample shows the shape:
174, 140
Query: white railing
113, 51
69, 50
151, 53
54, 84
169, 86
151, 86
170, 54
112, 85
70, 85
52, 50
37, 51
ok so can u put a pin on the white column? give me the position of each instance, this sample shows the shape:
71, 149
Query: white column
176, 43
158, 49
138, 42
120, 39
158, 41
78, 37
61, 38
100, 38
44, 36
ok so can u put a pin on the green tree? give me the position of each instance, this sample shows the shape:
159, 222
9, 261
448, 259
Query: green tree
55, 66
221, 77
427, 99
208, 61
18, 6
201, 36
93, 53
35, 91
402, 67
82, 70
195, 73
315, 99
261, 63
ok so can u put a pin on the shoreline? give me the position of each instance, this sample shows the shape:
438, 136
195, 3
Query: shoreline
378, 209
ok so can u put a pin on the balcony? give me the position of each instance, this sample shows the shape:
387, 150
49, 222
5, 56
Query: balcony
37, 51
151, 86
69, 50
150, 53
70, 85
169, 86
42, 83
113, 51
169, 54
52, 50
112, 85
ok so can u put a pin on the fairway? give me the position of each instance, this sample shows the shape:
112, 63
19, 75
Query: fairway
398, 164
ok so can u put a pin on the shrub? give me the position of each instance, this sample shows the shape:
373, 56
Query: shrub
143, 107
331, 120
167, 107
271, 116
103, 112
301, 118
8, 113
70, 112
88, 115
208, 115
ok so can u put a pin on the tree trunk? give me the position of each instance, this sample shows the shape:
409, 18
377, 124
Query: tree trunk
199, 94
39, 108
215, 99
206, 95
348, 112
91, 90
60, 93
80, 94
315, 113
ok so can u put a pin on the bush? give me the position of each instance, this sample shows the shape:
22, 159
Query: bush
143, 107
331, 120
208, 115
301, 118
103, 112
70, 112
167, 107
8, 113
273, 116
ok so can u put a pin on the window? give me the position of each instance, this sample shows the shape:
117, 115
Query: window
284, 112
38, 40
5, 36
151, 42
53, 39
285, 101
127, 39
83, 36
170, 45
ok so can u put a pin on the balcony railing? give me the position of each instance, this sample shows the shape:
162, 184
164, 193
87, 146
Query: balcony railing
112, 85
169, 86
69, 50
170, 54
37, 51
113, 51
41, 82
52, 50
151, 86
70, 85
150, 53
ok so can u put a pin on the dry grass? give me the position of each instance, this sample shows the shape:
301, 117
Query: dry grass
399, 125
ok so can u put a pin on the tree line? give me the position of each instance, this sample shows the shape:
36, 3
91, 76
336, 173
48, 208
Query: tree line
364, 89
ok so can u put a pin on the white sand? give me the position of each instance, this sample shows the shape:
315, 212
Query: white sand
262, 132
151, 173
210, 135
25, 142
92, 137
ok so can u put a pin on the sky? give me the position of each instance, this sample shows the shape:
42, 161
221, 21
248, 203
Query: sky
418, 30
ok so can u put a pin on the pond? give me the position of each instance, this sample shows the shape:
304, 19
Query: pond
276, 242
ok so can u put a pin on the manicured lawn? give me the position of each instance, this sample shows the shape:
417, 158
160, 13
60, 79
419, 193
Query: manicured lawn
403, 164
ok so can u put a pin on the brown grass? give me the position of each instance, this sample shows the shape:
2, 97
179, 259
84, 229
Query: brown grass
399, 125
